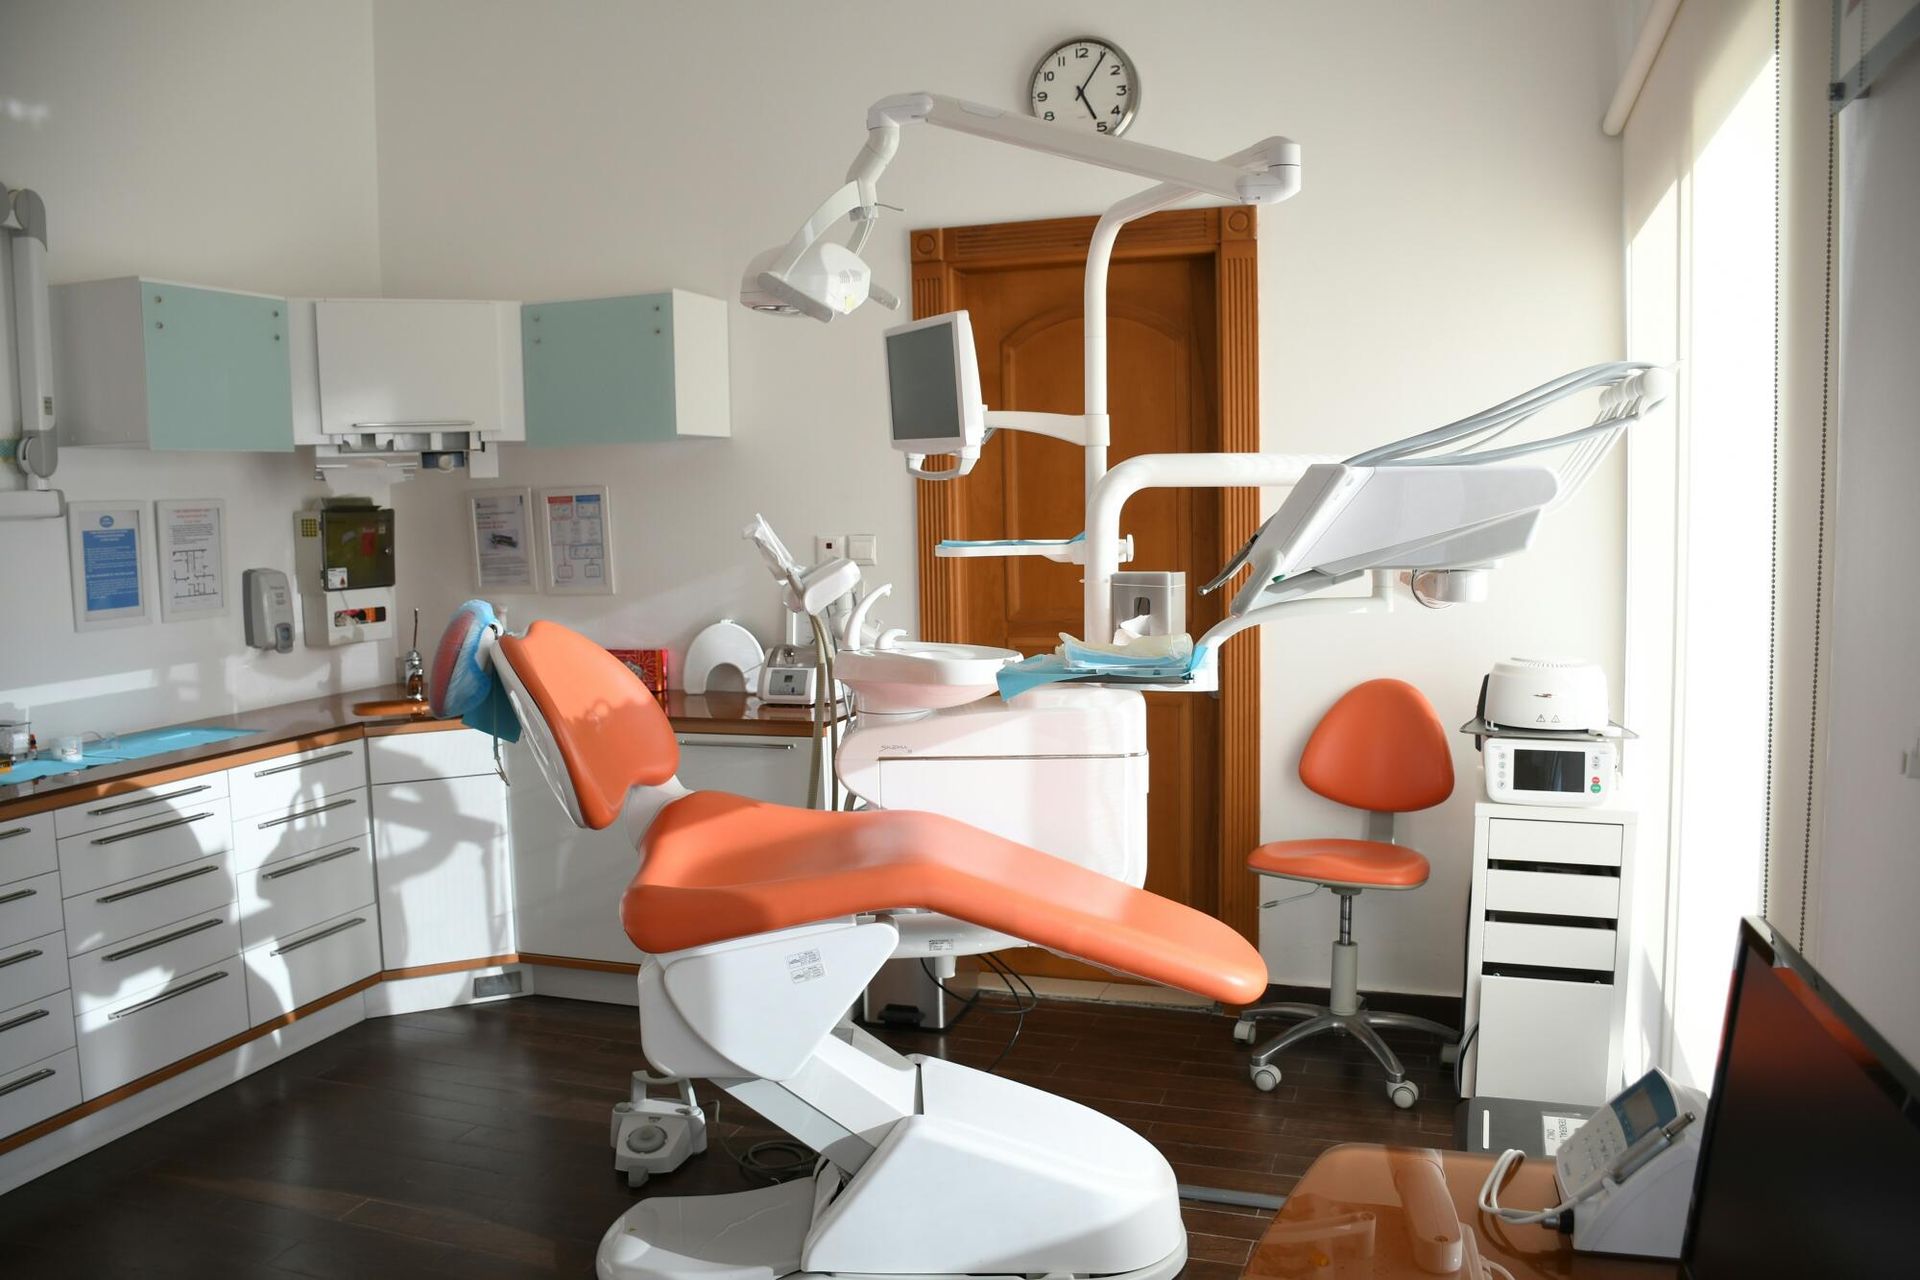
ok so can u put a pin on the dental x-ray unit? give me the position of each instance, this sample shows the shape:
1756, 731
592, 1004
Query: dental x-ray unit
763, 923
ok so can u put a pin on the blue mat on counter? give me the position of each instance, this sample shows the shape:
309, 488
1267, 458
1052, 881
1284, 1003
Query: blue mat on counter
131, 746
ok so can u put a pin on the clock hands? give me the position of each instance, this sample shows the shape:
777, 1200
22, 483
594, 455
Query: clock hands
1081, 92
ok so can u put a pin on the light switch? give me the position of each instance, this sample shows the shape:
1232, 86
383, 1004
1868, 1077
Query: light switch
863, 548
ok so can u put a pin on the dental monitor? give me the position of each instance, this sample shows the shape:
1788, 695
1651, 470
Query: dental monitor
933, 388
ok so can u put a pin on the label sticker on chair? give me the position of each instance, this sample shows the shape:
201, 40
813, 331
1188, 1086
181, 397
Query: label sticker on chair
939, 944
805, 966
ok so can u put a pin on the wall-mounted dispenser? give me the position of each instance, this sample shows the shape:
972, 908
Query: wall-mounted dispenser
343, 563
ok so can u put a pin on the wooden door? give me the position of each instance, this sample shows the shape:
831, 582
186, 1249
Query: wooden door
1182, 379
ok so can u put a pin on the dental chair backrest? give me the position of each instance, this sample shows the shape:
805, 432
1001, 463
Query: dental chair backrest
595, 730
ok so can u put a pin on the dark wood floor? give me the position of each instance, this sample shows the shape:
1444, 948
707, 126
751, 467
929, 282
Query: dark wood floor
472, 1143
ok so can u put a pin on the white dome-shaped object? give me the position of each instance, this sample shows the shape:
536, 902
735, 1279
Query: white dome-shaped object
1556, 695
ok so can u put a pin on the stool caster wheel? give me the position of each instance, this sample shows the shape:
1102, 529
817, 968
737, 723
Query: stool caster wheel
1243, 1031
1404, 1094
1266, 1079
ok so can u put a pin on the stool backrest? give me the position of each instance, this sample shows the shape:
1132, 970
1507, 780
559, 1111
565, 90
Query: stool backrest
1381, 748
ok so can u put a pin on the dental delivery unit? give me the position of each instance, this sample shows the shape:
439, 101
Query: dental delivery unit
762, 924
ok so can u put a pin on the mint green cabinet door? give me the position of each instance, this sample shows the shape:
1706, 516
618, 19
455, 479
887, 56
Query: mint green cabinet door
217, 373
599, 371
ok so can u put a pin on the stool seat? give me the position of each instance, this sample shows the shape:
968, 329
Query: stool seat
1342, 864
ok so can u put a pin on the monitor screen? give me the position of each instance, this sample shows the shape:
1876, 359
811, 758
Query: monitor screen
1810, 1161
361, 542
923, 383
1537, 769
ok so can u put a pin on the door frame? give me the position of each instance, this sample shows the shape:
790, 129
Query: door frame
1228, 236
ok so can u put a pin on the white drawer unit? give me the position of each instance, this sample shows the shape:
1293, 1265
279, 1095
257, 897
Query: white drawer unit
108, 855
1548, 933
291, 894
45, 1088
167, 799
122, 1041
29, 908
116, 911
289, 972
1570, 843
26, 847
145, 961
32, 969
765, 767
287, 783
442, 863
445, 753
35, 1030
306, 825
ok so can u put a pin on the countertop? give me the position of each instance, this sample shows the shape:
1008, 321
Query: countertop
317, 722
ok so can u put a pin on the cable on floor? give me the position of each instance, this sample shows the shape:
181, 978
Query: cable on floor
756, 1161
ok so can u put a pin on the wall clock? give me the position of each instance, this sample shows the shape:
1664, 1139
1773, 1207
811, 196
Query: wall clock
1086, 83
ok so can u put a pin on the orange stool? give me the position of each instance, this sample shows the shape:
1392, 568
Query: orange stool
1382, 749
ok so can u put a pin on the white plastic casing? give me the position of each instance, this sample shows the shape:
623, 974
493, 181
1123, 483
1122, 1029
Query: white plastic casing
1599, 776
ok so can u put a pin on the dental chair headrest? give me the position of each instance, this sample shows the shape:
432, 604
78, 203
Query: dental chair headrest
596, 730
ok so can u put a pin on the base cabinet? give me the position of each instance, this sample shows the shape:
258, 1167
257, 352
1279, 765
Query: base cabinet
442, 865
122, 1041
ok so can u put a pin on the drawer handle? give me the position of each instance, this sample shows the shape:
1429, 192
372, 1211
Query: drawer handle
16, 896
24, 1019
164, 996
311, 862
44, 1073
164, 939
11, 832
342, 927
305, 813
742, 746
415, 424
147, 800
147, 831
22, 958
124, 894
301, 764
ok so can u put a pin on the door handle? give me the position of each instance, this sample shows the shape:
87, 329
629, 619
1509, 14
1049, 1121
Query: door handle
740, 746
311, 938
124, 894
305, 813
310, 863
16, 896
164, 939
165, 996
147, 800
147, 831
43, 1073
301, 764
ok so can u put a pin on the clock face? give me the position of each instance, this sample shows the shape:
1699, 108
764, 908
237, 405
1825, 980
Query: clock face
1086, 84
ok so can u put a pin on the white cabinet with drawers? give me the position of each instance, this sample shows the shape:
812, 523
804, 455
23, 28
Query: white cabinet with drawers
441, 849
1547, 952
140, 1033
27, 847
299, 967
38, 1076
164, 836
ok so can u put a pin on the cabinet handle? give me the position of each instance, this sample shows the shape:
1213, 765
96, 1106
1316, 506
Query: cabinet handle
147, 831
301, 764
415, 424
305, 813
16, 895
342, 927
309, 863
164, 996
164, 939
11, 832
22, 958
24, 1019
44, 1073
124, 894
147, 800
739, 746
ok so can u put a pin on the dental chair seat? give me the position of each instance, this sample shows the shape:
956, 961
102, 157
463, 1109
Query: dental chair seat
1357, 864
720, 866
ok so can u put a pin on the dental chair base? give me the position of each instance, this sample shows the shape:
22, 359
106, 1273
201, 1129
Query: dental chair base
656, 1135
927, 1168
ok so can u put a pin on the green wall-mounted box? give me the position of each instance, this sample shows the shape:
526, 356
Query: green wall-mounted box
154, 365
630, 370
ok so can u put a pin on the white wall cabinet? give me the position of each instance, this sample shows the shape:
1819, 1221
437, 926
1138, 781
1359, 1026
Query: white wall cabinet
441, 852
387, 365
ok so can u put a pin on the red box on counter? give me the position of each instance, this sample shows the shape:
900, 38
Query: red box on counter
649, 664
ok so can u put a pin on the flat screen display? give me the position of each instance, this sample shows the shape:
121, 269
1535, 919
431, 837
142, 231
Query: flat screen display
361, 542
1538, 770
1810, 1161
924, 384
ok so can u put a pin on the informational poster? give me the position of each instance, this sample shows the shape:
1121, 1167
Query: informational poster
192, 538
106, 547
502, 539
578, 536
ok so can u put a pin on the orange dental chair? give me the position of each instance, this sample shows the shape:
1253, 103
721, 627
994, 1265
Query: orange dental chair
763, 924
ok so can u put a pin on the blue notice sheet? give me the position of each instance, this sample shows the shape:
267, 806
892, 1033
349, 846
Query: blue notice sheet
111, 561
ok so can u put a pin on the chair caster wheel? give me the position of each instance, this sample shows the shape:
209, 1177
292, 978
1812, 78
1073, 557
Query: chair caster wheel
1404, 1094
1266, 1079
1243, 1031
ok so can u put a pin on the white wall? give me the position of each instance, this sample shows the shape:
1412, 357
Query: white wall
219, 142
1457, 241
1866, 872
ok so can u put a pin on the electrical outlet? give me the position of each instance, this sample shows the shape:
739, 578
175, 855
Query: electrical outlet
863, 548
828, 545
